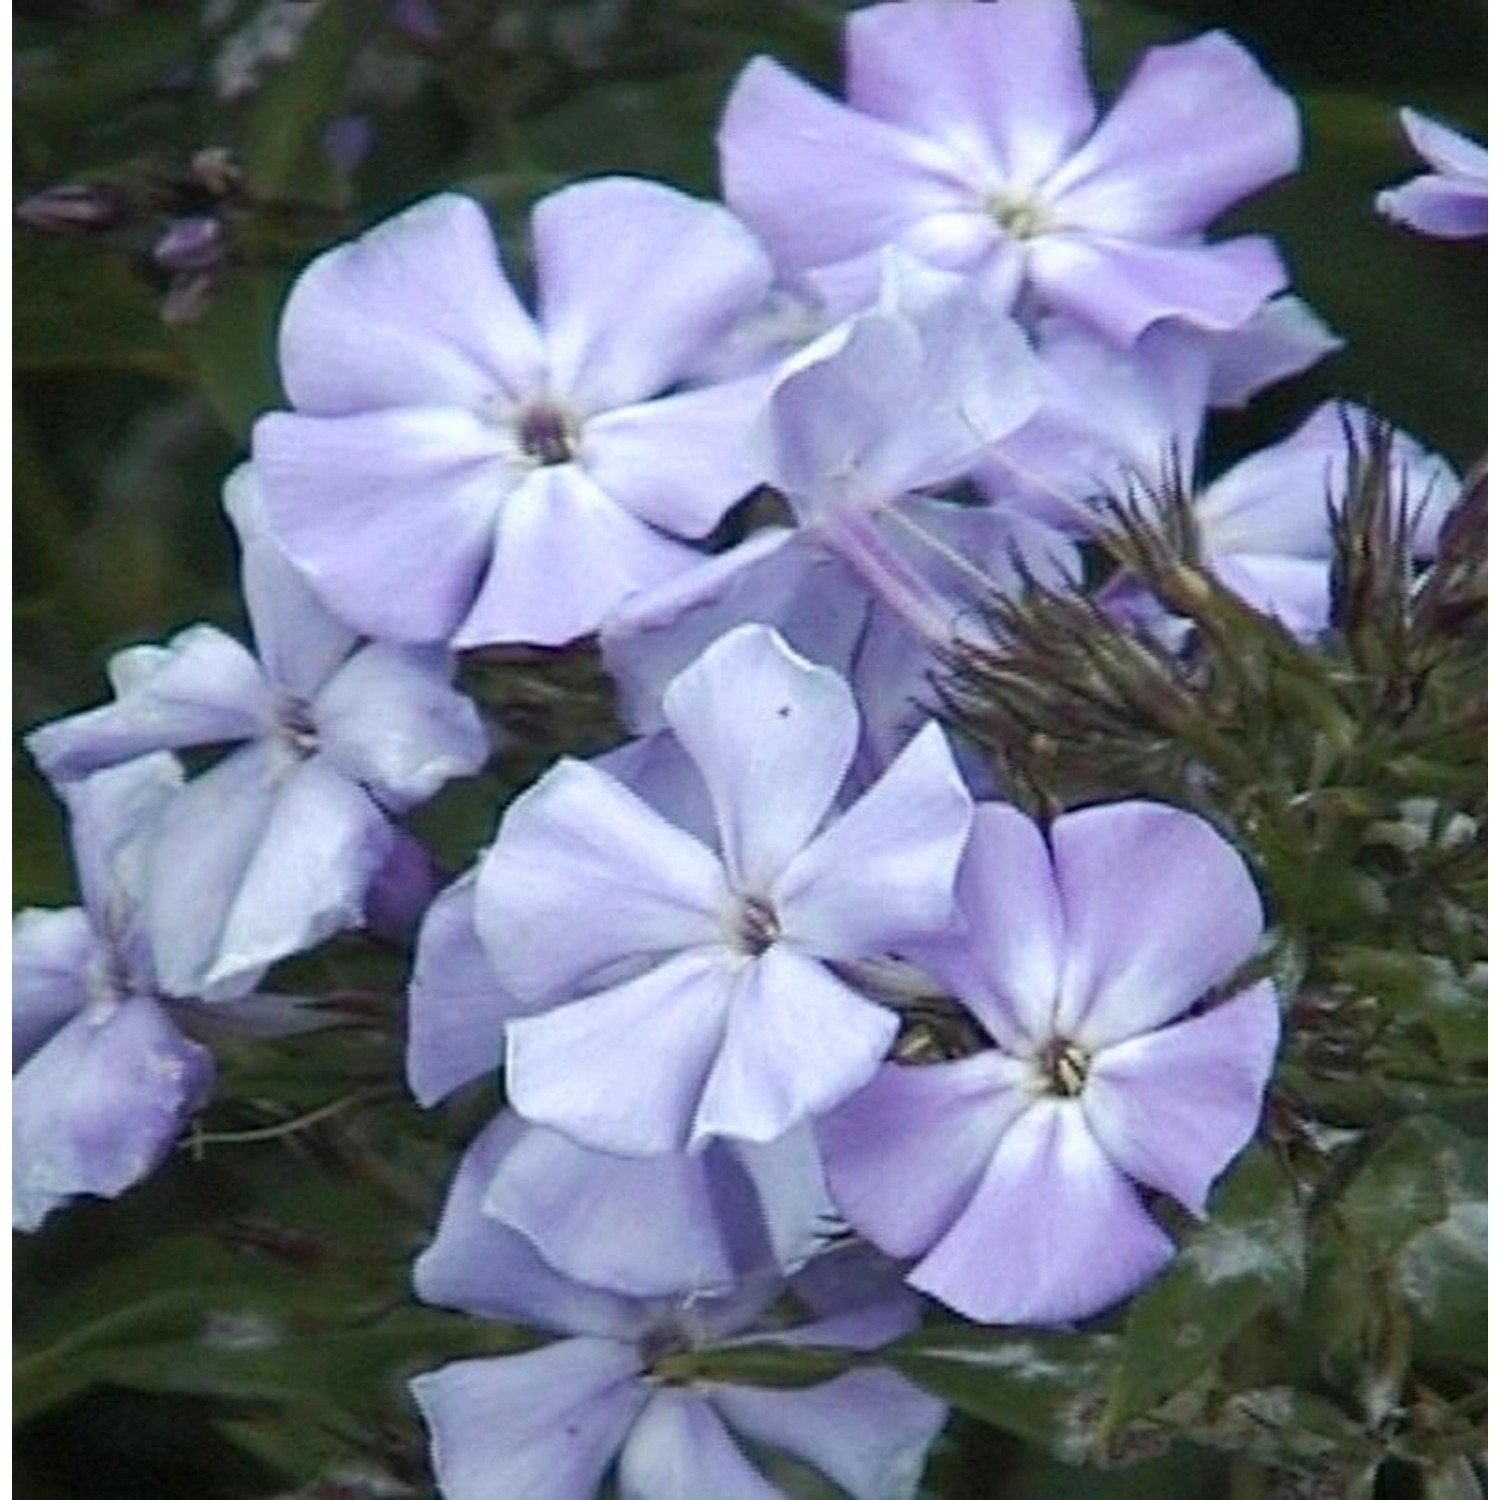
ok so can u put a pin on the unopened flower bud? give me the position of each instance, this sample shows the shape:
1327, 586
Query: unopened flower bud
195, 243
73, 208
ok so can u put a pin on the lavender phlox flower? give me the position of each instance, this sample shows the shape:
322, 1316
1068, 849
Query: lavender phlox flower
1451, 202
457, 469
697, 999
275, 846
618, 1386
1008, 1175
903, 397
970, 139
734, 1209
103, 1079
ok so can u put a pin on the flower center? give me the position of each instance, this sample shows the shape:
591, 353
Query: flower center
1020, 217
548, 434
756, 925
1063, 1068
297, 726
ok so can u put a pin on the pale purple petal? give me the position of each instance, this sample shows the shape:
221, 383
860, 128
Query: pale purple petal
1438, 206
204, 688
1174, 1107
1198, 127
1121, 287
773, 736
99, 1105
1296, 591
635, 281
1157, 908
255, 861
905, 1154
415, 312
641, 1226
579, 842
1444, 148
53, 956
298, 641
543, 1425
564, 555
821, 182
403, 888
885, 871
868, 1431
1054, 1231
788, 1178
679, 1450
681, 461
798, 1041
1004, 961
390, 515
457, 1009
661, 773
624, 1070
478, 1265
1003, 87
111, 817
391, 719
1283, 339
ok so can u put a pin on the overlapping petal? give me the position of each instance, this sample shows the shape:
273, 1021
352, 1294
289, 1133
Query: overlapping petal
579, 842
679, 1450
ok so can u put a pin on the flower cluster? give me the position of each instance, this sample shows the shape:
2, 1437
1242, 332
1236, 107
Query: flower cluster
948, 322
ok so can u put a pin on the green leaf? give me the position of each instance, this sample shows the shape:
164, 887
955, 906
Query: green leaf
1426, 988
231, 349
778, 1366
1444, 1268
1247, 1256
1046, 1388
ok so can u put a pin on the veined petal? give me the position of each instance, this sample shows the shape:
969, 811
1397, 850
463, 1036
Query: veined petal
1198, 127
1054, 1231
415, 311
773, 736
564, 555
1002, 87
821, 182
624, 1070
1157, 908
580, 842
391, 719
679, 1450
99, 1105
478, 1265
905, 1154
798, 1041
544, 1424
457, 1010
1120, 287
635, 282
1172, 1108
202, 689
885, 871
389, 515
681, 461
868, 1431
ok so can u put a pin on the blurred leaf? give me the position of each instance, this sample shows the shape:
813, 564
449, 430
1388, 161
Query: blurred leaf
283, 132
78, 308
1422, 987
1444, 1267
231, 349
1047, 1388
1247, 1256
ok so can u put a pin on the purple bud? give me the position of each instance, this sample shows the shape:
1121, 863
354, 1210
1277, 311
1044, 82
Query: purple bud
73, 208
187, 298
191, 244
